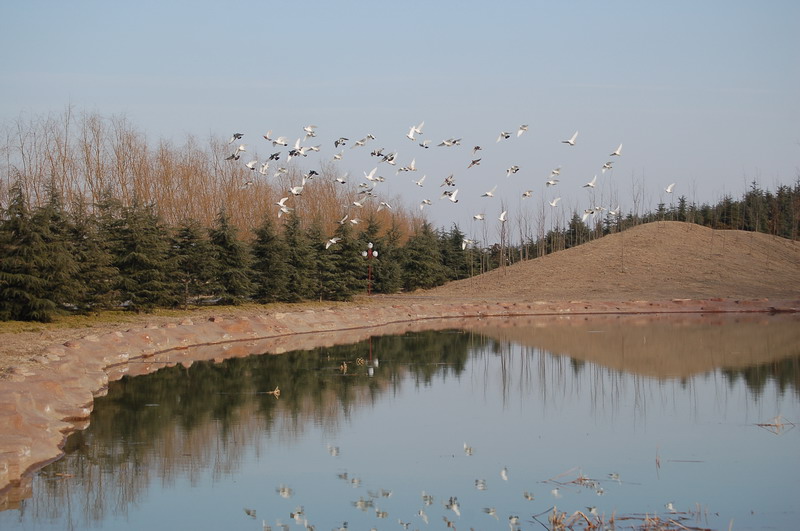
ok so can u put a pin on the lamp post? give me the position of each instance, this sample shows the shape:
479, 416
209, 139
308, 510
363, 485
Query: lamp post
369, 254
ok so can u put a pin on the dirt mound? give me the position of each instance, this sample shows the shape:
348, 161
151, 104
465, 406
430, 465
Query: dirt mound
656, 261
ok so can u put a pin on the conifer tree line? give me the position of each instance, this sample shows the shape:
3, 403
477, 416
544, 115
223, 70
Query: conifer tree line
758, 210
54, 259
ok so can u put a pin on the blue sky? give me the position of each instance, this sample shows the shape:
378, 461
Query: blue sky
703, 94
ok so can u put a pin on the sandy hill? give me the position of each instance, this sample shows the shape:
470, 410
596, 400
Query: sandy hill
662, 260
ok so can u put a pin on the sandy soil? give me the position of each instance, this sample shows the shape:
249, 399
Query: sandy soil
657, 261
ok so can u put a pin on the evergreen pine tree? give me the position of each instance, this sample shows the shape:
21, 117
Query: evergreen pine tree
343, 272
59, 269
194, 261
94, 259
454, 260
233, 262
270, 273
387, 275
23, 290
422, 267
322, 277
143, 260
300, 263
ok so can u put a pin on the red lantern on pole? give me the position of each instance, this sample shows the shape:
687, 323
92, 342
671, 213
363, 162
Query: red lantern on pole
368, 255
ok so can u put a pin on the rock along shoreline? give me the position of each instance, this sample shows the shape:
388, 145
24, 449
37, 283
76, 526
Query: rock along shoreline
40, 406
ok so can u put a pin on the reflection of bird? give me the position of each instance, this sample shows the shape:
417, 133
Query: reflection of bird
669, 188
453, 505
670, 507
250, 512
555, 492
491, 511
528, 496
571, 141
480, 484
504, 474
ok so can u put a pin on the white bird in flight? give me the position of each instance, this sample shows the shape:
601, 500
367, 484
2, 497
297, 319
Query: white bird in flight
552, 182
309, 130
521, 130
419, 183
591, 183
617, 152
332, 241
527, 193
424, 203
490, 193
554, 202
669, 188
503, 216
503, 135
479, 217
415, 130
571, 141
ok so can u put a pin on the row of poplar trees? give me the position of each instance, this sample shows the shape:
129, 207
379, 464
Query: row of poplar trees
83, 259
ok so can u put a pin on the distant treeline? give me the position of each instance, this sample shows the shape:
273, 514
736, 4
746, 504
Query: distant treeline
758, 210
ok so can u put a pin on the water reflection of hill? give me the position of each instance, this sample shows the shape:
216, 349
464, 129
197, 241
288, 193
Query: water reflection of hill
677, 346
183, 421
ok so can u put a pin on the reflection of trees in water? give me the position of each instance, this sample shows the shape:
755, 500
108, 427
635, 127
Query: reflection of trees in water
180, 422
785, 373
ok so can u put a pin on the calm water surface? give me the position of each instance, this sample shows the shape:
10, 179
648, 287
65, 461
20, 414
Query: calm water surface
615, 415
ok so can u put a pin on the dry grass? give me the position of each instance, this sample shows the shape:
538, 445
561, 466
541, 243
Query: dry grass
656, 261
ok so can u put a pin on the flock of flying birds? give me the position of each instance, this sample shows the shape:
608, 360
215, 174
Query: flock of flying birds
366, 190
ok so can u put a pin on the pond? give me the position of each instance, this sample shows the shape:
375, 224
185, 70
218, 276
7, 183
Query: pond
683, 419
